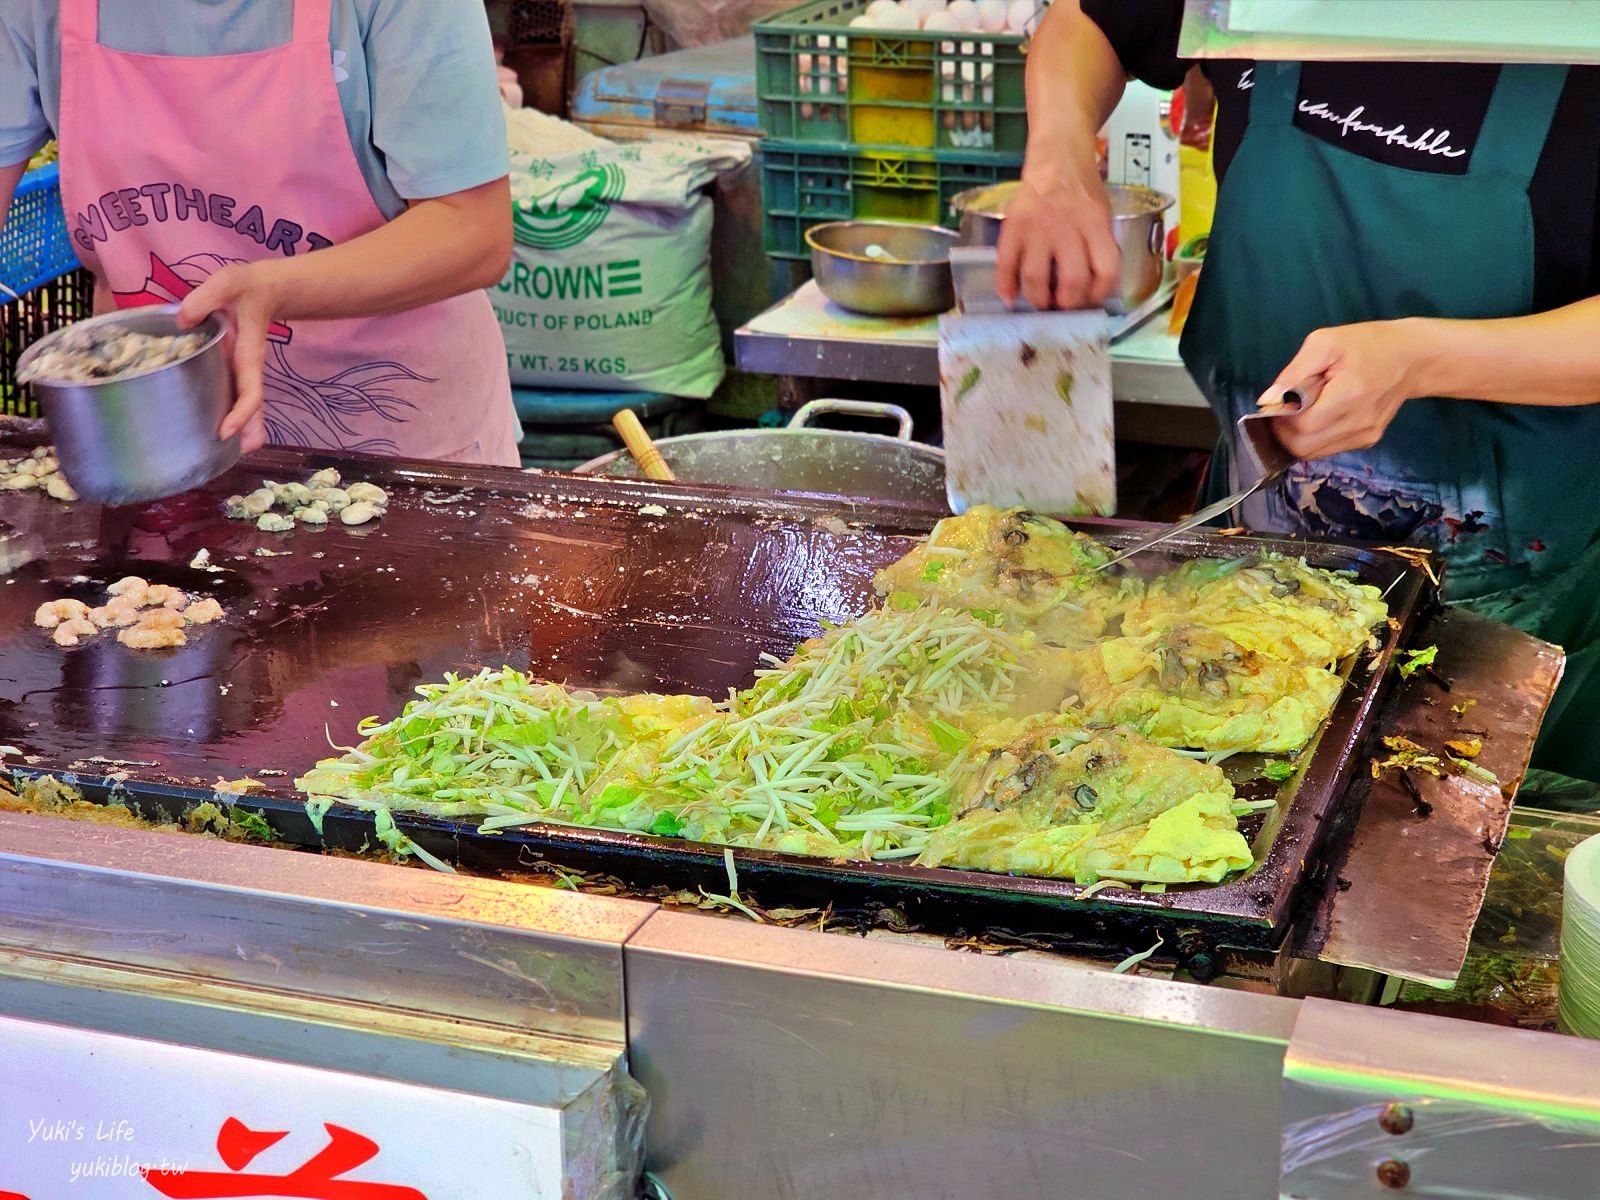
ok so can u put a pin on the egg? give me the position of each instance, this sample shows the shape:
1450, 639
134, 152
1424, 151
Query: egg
938, 21
1019, 17
878, 8
923, 8
900, 18
864, 22
992, 15
964, 13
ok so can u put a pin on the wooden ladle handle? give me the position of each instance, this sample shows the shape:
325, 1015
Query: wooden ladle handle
641, 447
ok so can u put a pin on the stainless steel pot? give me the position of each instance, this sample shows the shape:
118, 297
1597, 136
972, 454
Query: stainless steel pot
147, 435
801, 459
1137, 222
883, 268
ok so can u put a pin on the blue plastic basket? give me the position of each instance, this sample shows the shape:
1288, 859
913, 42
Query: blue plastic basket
34, 244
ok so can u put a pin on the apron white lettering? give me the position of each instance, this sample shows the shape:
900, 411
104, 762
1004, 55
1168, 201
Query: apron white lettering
1431, 141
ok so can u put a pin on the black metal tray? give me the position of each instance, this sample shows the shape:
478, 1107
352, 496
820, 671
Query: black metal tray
597, 583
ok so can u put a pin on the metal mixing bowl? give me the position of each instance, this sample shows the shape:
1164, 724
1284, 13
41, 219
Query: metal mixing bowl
150, 434
907, 275
1137, 222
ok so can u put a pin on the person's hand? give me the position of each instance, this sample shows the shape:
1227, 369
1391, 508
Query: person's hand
243, 292
1368, 372
1056, 246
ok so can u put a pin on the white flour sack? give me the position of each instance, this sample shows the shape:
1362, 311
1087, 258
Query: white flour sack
610, 281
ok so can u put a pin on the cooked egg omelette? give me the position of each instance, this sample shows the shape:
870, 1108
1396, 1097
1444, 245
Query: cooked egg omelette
1273, 605
1011, 707
1030, 572
1219, 655
1051, 796
1191, 687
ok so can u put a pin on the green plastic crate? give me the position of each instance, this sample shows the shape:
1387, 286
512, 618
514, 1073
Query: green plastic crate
804, 186
818, 82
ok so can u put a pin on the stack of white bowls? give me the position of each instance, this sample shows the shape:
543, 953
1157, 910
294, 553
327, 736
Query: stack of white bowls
1578, 1008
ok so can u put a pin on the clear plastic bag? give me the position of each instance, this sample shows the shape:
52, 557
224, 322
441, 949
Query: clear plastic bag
701, 22
1503, 31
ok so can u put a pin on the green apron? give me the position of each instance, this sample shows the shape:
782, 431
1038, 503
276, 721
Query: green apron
1309, 235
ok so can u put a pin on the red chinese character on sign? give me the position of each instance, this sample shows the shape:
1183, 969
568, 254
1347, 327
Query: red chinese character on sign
318, 1179
12, 1196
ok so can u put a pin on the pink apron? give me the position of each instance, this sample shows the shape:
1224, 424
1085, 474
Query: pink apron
175, 166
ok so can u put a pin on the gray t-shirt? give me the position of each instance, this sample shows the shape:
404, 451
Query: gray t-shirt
416, 78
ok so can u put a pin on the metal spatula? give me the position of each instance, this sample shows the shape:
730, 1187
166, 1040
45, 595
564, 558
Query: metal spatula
1271, 460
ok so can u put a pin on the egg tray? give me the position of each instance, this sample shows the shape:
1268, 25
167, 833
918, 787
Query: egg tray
583, 580
821, 83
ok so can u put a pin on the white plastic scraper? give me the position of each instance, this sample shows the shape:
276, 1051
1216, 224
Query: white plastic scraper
1027, 401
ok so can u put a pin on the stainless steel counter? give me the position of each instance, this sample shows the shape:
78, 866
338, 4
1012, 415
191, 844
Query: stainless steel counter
169, 989
785, 1064
807, 337
779, 1063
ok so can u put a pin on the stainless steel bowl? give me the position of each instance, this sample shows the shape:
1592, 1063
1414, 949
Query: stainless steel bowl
907, 273
150, 434
1137, 222
827, 462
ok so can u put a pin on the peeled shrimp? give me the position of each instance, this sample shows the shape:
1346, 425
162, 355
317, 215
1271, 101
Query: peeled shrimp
202, 612
70, 633
51, 615
143, 637
162, 596
119, 612
161, 618
131, 587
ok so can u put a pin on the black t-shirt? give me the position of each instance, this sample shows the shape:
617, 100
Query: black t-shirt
1422, 116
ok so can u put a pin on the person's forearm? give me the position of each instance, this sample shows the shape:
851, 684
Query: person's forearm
1549, 359
1074, 82
9, 178
434, 250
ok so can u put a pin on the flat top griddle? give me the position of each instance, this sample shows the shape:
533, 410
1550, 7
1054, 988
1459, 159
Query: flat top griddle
606, 584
